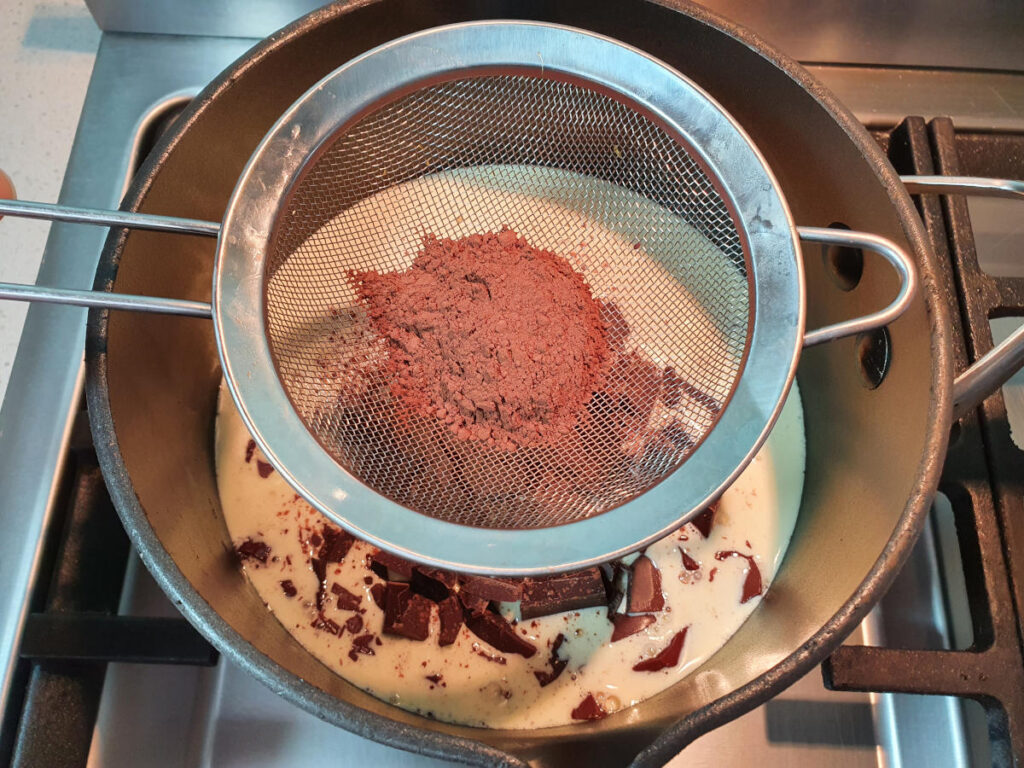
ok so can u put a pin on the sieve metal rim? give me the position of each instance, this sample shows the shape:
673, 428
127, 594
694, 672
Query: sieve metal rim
726, 151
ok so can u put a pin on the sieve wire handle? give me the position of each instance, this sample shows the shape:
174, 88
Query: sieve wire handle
997, 365
896, 256
31, 210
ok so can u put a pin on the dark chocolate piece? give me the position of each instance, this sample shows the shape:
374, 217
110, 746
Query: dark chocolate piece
321, 622
487, 588
435, 679
289, 588
498, 633
472, 603
354, 624
432, 584
450, 613
320, 569
547, 595
346, 600
615, 584
546, 677
393, 562
336, 544
705, 520
688, 562
645, 587
589, 709
626, 625
251, 549
377, 592
250, 449
263, 468
361, 644
406, 614
752, 584
380, 569
667, 657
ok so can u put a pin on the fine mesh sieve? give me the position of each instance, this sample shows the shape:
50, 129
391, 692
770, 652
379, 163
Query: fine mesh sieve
572, 170
584, 147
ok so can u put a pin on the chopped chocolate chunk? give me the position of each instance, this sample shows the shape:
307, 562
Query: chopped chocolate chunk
615, 584
491, 656
626, 625
393, 562
250, 448
336, 544
435, 679
547, 595
289, 588
705, 520
688, 562
320, 569
645, 587
377, 593
432, 584
361, 644
589, 709
472, 603
346, 600
367, 580
406, 614
316, 539
497, 632
327, 625
263, 468
450, 613
546, 677
354, 624
752, 584
667, 657
379, 569
251, 549
499, 590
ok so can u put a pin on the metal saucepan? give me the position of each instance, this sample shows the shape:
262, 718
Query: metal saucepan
152, 380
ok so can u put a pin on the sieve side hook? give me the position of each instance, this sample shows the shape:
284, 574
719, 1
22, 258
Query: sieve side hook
32, 210
894, 254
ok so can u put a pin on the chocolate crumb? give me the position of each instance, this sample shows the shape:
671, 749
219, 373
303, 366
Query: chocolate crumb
289, 588
263, 468
250, 449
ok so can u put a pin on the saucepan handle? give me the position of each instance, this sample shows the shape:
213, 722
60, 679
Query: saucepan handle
896, 256
30, 210
1005, 359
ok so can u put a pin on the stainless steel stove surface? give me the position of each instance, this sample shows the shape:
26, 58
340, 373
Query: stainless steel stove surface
197, 710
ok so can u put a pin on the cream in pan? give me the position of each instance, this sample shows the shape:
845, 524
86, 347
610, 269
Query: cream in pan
553, 669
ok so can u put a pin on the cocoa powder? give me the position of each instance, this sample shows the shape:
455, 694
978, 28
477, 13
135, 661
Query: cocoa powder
501, 341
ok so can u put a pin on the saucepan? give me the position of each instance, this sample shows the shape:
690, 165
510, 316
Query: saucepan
874, 453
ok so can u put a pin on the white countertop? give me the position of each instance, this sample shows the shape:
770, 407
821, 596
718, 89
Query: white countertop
47, 49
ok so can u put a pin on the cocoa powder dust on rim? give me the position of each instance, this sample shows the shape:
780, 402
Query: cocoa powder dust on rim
500, 341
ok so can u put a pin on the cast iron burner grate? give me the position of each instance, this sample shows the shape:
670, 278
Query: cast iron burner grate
984, 470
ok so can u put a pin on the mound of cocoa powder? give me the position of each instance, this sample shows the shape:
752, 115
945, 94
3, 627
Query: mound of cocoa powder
501, 341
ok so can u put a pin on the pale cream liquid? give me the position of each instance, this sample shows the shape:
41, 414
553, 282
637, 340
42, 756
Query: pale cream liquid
760, 508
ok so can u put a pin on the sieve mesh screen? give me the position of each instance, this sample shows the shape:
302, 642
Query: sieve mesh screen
573, 171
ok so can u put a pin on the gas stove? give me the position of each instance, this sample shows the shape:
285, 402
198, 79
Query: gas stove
102, 670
